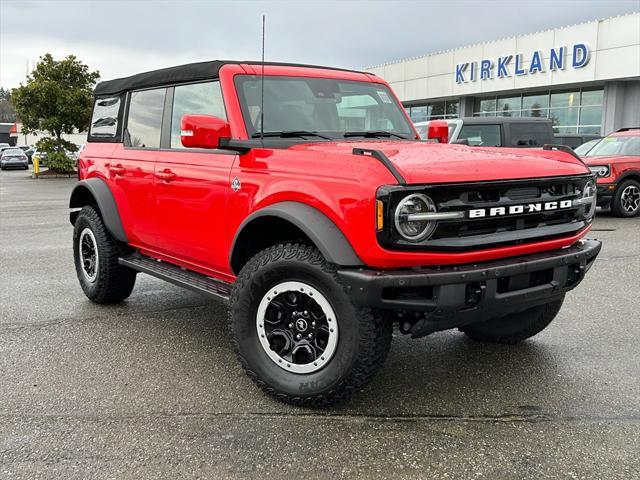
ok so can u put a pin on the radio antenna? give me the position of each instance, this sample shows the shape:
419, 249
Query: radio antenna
262, 89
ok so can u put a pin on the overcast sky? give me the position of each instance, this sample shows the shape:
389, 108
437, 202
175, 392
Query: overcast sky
123, 37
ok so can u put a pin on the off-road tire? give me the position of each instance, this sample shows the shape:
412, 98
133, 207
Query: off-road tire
617, 207
113, 282
516, 327
363, 343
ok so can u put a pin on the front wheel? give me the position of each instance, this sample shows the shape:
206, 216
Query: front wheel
626, 199
516, 327
296, 332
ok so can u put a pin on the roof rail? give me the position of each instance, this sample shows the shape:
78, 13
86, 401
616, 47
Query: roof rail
626, 129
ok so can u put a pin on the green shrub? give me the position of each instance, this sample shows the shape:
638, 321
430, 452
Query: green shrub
59, 162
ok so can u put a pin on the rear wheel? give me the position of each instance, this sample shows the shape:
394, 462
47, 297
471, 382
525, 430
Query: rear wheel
626, 199
96, 254
296, 332
515, 327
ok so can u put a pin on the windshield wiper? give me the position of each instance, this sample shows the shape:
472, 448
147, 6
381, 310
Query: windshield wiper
373, 134
291, 133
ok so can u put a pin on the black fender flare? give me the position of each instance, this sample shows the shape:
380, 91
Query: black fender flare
626, 175
320, 229
99, 190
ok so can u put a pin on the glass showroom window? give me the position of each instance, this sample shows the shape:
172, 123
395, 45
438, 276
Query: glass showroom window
571, 111
535, 105
433, 111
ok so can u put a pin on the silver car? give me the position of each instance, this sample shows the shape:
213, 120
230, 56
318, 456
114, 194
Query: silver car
14, 158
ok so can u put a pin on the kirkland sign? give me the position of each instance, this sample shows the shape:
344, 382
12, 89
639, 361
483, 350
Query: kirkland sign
556, 60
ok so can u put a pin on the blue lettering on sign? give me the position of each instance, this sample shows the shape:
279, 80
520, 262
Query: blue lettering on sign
581, 55
518, 68
536, 63
557, 60
502, 66
485, 69
460, 72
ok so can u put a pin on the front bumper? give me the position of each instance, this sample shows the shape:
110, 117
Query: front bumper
454, 296
15, 164
605, 193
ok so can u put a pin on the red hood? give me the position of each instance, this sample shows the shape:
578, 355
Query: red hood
422, 162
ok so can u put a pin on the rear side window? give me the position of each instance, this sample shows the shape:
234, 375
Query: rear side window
104, 121
198, 99
144, 119
530, 134
481, 135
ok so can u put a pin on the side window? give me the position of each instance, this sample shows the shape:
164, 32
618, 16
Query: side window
481, 135
530, 134
144, 120
198, 98
104, 121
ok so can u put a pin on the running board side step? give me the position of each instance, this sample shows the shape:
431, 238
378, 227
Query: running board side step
179, 276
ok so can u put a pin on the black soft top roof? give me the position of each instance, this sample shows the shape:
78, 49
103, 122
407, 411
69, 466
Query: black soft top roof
191, 72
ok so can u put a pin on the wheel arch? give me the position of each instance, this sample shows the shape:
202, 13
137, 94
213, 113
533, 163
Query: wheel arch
94, 191
286, 221
629, 175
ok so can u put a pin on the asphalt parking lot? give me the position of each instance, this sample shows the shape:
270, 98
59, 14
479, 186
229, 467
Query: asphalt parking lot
151, 388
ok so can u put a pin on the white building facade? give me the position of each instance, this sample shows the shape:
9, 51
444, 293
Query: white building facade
585, 77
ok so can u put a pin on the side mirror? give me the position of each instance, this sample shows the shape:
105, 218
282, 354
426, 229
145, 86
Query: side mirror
438, 130
203, 131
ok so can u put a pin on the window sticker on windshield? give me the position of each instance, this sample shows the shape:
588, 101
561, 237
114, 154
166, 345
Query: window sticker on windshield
383, 96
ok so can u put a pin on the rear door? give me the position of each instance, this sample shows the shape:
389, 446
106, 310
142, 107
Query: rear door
192, 184
131, 166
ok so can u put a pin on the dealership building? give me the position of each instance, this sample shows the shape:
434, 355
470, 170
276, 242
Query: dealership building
585, 78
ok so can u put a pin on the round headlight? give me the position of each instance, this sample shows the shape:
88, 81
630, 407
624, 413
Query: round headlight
407, 218
600, 170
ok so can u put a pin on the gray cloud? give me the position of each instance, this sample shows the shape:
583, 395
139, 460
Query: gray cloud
121, 37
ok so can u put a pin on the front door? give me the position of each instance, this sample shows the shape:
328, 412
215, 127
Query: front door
192, 185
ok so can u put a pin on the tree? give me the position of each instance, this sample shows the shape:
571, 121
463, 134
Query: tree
7, 110
57, 98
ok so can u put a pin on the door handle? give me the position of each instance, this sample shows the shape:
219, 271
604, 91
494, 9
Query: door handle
166, 175
116, 169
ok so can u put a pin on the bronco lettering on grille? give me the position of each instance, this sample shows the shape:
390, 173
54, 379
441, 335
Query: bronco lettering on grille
520, 209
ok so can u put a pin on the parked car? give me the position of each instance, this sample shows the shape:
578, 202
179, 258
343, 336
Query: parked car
4, 145
497, 131
13, 158
41, 156
616, 162
28, 150
321, 220
583, 149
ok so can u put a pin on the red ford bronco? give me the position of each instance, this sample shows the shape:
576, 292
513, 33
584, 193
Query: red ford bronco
303, 197
616, 162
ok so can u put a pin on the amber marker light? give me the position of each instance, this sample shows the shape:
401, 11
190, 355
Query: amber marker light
379, 215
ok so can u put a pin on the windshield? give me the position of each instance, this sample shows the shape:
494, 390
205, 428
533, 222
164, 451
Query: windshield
585, 147
321, 107
616, 145
12, 152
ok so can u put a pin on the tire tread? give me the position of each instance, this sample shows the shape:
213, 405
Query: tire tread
375, 339
115, 282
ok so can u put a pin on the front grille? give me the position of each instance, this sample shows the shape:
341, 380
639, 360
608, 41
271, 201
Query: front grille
485, 232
